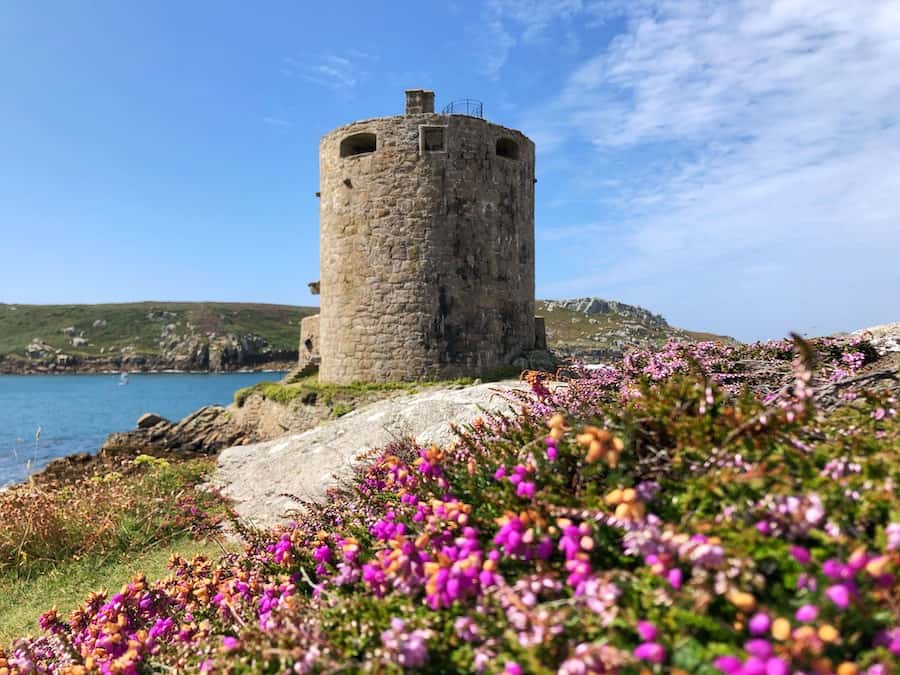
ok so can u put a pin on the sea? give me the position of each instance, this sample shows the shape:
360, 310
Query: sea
75, 413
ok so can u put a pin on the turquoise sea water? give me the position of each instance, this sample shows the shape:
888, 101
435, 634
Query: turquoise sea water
77, 412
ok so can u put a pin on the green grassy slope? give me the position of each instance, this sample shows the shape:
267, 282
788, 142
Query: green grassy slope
140, 324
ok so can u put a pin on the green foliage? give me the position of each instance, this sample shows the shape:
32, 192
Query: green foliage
139, 325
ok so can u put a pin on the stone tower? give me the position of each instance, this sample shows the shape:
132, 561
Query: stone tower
427, 247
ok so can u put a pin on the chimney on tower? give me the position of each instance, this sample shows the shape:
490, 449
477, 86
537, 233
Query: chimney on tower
419, 101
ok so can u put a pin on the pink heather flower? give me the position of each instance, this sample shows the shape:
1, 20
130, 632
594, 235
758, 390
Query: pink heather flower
500, 473
839, 594
650, 651
552, 453
675, 577
647, 631
776, 666
892, 532
759, 648
322, 554
730, 665
807, 613
889, 639
526, 490
753, 666
230, 643
512, 668
832, 569
800, 554
759, 623
763, 527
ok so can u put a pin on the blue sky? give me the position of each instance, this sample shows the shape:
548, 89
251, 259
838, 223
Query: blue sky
734, 166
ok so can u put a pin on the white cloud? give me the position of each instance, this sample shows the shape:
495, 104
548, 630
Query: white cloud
506, 23
338, 72
762, 148
280, 122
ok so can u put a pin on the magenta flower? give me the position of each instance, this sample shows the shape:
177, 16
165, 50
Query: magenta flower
807, 613
675, 577
800, 554
647, 631
730, 665
776, 666
650, 651
839, 594
759, 623
761, 649
512, 668
525, 489
833, 569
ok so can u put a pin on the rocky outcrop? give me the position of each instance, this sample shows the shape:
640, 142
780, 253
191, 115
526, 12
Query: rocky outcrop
885, 338
305, 465
594, 330
600, 306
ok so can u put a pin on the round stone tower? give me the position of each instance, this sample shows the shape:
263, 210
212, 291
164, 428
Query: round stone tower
427, 246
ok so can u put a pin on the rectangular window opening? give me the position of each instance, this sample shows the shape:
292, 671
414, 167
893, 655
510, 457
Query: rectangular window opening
432, 139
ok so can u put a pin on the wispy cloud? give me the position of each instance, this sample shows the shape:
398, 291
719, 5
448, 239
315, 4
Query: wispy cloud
279, 122
338, 72
760, 153
506, 23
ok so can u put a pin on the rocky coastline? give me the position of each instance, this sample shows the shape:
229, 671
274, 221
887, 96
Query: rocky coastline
12, 365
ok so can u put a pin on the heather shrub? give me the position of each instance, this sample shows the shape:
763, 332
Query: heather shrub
699, 509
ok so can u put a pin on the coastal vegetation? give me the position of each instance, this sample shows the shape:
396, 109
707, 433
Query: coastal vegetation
193, 335
141, 332
702, 508
60, 541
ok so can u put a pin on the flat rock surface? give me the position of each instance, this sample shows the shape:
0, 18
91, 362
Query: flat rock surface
307, 464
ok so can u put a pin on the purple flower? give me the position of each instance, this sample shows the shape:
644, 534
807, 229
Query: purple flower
230, 643
759, 623
647, 631
807, 613
800, 554
675, 577
776, 666
512, 668
525, 489
730, 665
754, 666
759, 648
832, 569
839, 594
650, 651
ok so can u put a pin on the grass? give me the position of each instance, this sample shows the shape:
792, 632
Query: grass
23, 600
341, 398
140, 324
59, 543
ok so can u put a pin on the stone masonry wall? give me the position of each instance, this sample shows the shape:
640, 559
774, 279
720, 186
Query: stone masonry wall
309, 340
427, 258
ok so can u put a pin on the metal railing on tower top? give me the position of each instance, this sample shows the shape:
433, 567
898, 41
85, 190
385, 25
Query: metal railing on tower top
464, 106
